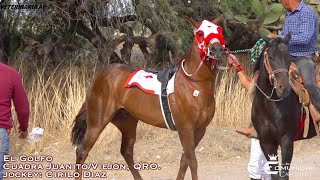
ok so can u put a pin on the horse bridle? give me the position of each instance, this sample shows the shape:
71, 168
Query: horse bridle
206, 57
272, 78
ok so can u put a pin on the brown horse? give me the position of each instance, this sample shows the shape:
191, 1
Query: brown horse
109, 101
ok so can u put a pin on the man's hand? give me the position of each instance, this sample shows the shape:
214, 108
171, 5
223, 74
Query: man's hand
233, 60
273, 36
23, 134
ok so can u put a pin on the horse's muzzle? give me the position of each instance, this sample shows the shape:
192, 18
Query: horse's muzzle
283, 90
216, 51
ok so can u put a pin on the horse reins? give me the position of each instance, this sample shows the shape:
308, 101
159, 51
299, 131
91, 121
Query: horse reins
272, 77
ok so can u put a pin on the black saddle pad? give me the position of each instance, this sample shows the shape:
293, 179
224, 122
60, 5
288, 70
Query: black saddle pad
165, 75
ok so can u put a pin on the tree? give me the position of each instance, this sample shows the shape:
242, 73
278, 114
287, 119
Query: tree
160, 28
266, 16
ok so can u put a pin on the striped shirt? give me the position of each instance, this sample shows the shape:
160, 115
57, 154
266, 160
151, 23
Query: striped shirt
303, 25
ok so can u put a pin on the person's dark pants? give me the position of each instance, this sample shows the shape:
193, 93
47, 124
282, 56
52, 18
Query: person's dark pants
307, 68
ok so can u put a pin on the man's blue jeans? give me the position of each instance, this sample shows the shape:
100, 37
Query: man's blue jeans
307, 68
4, 148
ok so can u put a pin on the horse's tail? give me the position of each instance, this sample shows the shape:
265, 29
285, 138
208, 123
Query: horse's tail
79, 126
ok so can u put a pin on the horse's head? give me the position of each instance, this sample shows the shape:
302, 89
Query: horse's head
210, 39
277, 62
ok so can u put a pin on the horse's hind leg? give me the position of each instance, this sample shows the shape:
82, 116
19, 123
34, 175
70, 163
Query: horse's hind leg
98, 116
128, 127
183, 165
92, 133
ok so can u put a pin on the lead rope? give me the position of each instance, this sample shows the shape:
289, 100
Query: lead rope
255, 51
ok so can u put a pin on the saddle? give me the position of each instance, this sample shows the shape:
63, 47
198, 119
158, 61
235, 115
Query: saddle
164, 76
304, 98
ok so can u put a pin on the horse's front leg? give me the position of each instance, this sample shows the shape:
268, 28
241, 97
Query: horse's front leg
286, 156
198, 135
188, 157
183, 167
270, 148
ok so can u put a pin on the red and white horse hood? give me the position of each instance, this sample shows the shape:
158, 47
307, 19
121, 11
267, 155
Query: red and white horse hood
210, 32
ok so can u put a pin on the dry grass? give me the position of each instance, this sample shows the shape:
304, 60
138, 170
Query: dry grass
233, 105
56, 96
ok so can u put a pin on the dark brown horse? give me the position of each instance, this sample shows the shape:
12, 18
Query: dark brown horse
276, 110
109, 101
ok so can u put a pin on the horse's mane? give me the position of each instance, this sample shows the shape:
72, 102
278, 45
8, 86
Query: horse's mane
178, 60
257, 64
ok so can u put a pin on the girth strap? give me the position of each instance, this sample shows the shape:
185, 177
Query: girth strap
165, 108
164, 100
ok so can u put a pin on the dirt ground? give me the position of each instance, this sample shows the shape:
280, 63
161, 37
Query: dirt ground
222, 155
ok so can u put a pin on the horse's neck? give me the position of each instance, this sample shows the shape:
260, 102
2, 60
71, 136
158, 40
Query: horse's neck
192, 63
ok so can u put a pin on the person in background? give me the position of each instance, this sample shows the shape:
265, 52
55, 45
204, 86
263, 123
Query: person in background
256, 165
11, 90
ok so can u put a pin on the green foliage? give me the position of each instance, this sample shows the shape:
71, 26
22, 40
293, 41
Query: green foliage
258, 8
264, 31
242, 18
277, 8
274, 13
266, 13
164, 15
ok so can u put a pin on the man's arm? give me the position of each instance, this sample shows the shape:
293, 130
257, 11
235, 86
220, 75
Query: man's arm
21, 102
245, 80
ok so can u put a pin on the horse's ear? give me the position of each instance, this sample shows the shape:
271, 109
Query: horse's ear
287, 38
193, 22
217, 20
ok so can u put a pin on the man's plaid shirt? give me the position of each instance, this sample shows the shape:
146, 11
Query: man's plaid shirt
303, 25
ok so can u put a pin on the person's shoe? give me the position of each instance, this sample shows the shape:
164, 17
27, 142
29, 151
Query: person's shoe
246, 132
